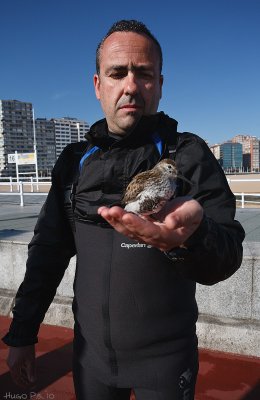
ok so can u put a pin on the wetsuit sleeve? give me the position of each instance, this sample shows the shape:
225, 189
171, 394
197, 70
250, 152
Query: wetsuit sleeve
49, 253
214, 251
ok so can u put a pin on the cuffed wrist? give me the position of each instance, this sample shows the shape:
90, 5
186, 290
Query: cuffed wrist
20, 334
180, 254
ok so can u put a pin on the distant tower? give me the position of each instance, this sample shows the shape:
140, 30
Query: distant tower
16, 133
45, 140
215, 148
251, 151
69, 130
231, 156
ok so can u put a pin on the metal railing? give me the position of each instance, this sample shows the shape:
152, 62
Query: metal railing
243, 197
21, 193
25, 178
243, 200
12, 183
242, 180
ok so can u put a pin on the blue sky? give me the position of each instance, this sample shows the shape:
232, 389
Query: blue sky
211, 59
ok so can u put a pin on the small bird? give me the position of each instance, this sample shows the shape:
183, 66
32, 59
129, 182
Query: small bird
148, 191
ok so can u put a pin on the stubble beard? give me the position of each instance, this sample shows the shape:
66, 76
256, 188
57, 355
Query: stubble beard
125, 125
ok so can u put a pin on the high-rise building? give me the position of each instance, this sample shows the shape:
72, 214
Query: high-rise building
255, 154
231, 156
45, 145
16, 134
251, 150
215, 148
50, 137
244, 140
69, 130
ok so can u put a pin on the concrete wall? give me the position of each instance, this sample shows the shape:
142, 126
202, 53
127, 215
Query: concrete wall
229, 311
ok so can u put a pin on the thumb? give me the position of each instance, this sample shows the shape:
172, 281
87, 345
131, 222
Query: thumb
31, 370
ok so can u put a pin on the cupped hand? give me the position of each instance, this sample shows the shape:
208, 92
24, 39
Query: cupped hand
168, 229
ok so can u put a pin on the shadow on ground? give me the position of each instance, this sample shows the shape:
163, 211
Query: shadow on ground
50, 367
10, 233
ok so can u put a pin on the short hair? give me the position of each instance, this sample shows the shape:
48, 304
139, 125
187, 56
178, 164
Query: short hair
128, 26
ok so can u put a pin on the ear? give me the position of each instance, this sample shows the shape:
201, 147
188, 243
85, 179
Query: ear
161, 84
97, 86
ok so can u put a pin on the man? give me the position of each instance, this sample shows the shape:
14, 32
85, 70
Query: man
134, 306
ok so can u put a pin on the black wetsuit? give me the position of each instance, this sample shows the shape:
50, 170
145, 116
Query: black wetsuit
135, 309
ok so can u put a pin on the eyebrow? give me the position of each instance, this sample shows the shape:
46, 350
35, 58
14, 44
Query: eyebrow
119, 68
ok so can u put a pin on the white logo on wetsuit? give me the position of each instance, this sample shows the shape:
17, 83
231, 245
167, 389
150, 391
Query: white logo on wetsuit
135, 245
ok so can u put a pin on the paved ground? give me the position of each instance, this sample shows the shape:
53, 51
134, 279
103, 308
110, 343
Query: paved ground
250, 219
17, 221
222, 376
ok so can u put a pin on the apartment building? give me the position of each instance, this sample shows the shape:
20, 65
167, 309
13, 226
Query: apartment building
215, 148
45, 145
231, 156
50, 136
16, 133
255, 154
251, 151
69, 130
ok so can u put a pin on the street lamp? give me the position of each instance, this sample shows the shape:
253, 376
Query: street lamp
35, 152
78, 131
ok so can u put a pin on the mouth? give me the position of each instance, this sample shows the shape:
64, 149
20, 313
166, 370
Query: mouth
130, 107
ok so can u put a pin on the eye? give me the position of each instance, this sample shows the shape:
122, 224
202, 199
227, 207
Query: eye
145, 75
117, 75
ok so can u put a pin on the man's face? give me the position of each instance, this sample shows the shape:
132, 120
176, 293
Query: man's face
129, 84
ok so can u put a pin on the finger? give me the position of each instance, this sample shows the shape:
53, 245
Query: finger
111, 215
125, 221
114, 216
19, 379
115, 212
20, 373
142, 228
188, 214
30, 366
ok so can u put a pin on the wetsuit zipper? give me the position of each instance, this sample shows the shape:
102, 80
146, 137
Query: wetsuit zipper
107, 322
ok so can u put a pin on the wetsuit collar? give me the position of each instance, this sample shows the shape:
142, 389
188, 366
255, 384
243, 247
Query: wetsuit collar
159, 122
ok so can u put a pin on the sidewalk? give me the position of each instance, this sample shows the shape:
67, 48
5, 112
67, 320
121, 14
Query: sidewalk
222, 376
19, 222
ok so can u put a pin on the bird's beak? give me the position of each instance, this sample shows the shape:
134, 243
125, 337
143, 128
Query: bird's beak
184, 179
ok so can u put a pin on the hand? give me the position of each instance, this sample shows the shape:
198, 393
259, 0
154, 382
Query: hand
173, 225
21, 362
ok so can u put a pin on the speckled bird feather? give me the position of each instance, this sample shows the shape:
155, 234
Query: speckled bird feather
148, 191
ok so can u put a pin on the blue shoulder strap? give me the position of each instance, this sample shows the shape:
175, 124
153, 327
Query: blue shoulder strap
158, 142
156, 139
86, 155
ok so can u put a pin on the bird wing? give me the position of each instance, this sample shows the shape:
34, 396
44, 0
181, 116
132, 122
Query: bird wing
136, 186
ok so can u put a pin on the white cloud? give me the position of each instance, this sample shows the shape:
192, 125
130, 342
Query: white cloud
60, 95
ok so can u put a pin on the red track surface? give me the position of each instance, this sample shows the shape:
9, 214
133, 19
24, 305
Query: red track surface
222, 376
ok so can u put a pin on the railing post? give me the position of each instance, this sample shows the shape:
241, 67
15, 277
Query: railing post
243, 200
21, 193
11, 184
31, 184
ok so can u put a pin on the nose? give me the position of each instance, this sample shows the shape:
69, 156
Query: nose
131, 84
